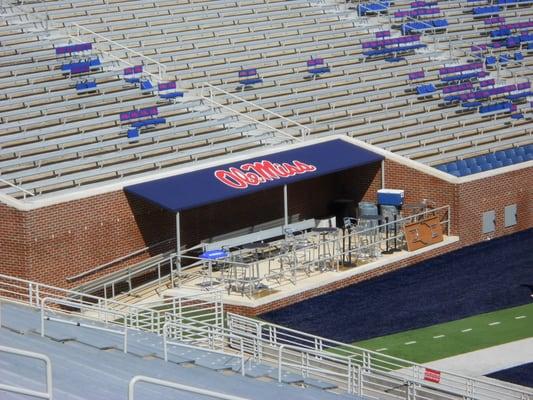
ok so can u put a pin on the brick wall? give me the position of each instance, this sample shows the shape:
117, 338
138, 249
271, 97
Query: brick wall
52, 243
13, 242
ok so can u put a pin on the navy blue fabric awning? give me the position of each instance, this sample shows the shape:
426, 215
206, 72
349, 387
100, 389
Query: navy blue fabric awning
210, 185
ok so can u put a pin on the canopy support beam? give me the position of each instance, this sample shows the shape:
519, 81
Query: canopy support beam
285, 205
178, 244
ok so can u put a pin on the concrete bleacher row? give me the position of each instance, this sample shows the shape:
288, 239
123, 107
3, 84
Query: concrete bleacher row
53, 138
90, 364
207, 41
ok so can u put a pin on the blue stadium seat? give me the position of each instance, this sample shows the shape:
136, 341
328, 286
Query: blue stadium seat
518, 56
475, 169
442, 167
461, 164
147, 122
455, 172
491, 60
146, 86
452, 166
509, 153
464, 171
471, 162
517, 159
500, 155
491, 158
485, 166
481, 159
521, 151
133, 133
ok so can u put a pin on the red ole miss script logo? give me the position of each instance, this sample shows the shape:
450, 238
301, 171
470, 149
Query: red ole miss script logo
256, 173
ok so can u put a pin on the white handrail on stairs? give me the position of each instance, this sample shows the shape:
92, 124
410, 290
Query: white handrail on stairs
304, 130
177, 386
80, 305
161, 69
29, 392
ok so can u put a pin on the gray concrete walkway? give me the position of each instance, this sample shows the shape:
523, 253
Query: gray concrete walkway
491, 359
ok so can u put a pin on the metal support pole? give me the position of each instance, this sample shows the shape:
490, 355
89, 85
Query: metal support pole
383, 174
178, 244
285, 205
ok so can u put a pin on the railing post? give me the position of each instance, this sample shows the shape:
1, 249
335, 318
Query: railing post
280, 354
242, 357
125, 333
359, 381
42, 317
165, 329
350, 377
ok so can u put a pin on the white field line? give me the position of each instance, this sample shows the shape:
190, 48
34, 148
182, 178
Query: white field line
438, 336
494, 323
466, 330
411, 342
520, 317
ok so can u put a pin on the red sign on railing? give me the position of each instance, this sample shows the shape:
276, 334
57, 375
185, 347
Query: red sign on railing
432, 375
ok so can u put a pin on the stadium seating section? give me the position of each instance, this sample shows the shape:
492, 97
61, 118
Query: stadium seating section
61, 97
489, 161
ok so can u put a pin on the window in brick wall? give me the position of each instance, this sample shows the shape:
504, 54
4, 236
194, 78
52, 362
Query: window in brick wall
489, 221
510, 215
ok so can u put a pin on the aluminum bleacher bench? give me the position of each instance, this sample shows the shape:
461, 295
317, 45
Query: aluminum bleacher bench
168, 90
146, 86
425, 90
316, 67
73, 48
85, 87
373, 8
249, 77
464, 77
495, 108
149, 122
492, 10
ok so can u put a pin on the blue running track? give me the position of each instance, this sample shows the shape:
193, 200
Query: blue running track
470, 281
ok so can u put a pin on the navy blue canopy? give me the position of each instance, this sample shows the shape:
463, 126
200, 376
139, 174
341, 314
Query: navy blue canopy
210, 185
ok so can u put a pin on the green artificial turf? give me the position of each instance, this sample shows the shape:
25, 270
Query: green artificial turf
460, 336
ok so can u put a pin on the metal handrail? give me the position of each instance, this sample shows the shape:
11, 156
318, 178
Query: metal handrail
278, 335
177, 386
116, 260
305, 131
208, 331
255, 121
162, 69
29, 392
17, 187
75, 304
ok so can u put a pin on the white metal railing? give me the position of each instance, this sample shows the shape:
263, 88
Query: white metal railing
387, 367
24, 191
117, 260
215, 338
346, 372
80, 306
161, 68
291, 260
94, 308
177, 386
205, 306
29, 392
304, 130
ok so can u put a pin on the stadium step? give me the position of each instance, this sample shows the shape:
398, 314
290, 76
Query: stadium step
90, 364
